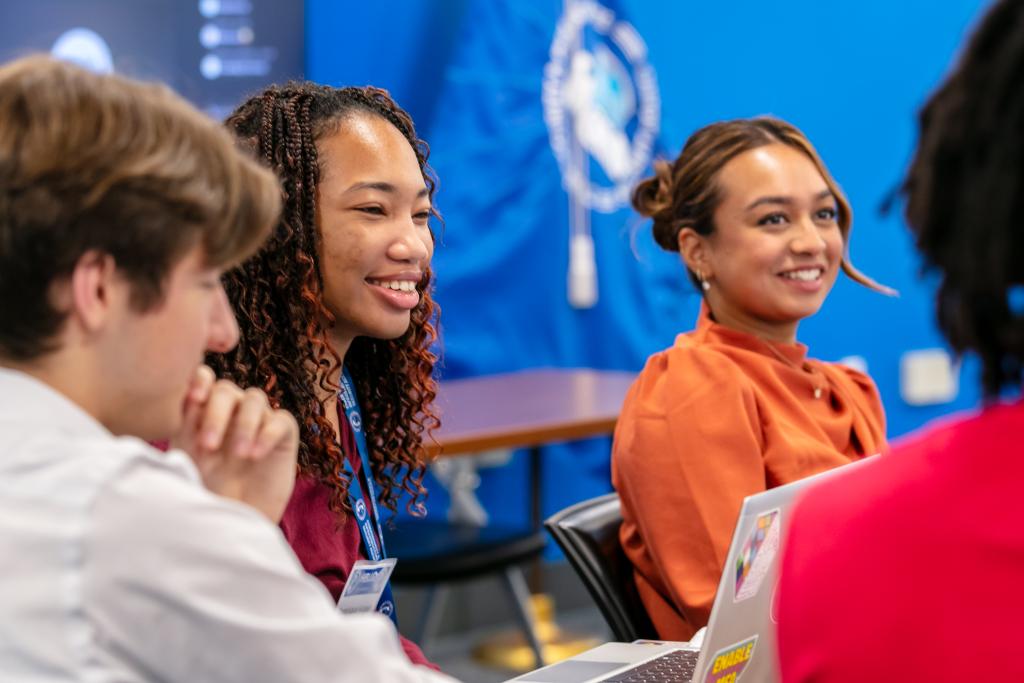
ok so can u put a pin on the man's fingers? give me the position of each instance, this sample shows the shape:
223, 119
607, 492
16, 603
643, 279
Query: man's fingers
189, 424
217, 415
202, 383
252, 411
279, 431
192, 409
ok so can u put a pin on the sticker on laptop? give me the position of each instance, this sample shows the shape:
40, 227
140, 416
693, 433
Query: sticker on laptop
728, 663
757, 556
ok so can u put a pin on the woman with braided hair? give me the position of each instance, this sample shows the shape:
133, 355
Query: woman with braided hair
336, 316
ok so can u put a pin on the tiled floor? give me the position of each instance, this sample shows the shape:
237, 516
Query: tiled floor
452, 653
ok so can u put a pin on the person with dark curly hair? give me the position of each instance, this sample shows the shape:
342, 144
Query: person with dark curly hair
735, 406
336, 315
909, 568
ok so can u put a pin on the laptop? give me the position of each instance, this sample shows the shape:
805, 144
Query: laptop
739, 643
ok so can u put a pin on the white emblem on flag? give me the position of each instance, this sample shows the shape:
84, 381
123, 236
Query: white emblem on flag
601, 104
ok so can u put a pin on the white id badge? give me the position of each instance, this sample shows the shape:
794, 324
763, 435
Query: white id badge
365, 584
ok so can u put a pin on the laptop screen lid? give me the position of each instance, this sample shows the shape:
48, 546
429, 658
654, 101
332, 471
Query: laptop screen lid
741, 635
736, 637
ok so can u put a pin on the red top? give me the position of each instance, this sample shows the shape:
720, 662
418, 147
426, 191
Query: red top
909, 567
326, 549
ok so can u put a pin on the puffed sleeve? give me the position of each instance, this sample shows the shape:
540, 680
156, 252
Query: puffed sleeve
688, 448
866, 402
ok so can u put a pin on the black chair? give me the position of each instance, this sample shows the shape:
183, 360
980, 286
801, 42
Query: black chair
588, 534
433, 554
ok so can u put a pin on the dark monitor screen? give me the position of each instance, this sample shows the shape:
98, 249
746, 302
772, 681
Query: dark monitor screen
214, 52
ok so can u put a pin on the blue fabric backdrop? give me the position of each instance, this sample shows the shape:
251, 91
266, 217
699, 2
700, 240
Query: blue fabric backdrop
851, 75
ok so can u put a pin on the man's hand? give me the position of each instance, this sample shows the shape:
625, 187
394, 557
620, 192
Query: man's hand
243, 448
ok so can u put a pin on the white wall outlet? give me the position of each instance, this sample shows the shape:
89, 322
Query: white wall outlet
928, 377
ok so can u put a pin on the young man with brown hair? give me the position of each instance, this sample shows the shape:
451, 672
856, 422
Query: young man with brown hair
120, 206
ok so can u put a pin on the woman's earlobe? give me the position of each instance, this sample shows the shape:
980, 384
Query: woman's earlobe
704, 284
692, 250
681, 241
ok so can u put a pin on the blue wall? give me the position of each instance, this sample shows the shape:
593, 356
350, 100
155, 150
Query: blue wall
851, 75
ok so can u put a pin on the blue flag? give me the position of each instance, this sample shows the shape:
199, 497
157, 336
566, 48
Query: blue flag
547, 115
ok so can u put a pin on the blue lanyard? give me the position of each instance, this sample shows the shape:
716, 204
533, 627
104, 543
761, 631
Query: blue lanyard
373, 538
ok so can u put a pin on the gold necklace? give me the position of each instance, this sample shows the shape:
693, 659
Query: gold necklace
806, 368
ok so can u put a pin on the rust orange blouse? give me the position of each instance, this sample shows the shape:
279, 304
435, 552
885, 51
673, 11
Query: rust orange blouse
718, 416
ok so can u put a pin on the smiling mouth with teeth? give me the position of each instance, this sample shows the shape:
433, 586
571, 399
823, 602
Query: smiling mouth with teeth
806, 275
396, 285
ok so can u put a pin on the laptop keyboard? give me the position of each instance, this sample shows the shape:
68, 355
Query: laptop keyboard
677, 665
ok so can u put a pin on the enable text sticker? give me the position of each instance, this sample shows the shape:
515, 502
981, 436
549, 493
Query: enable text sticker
729, 662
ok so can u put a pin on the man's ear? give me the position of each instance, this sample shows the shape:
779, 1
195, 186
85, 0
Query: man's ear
695, 252
94, 289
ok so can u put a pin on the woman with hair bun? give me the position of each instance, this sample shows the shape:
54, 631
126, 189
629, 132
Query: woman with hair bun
735, 406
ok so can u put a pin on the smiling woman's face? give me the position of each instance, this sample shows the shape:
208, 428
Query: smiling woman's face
776, 246
373, 210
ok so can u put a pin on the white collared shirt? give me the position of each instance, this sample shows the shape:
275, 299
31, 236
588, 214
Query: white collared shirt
117, 565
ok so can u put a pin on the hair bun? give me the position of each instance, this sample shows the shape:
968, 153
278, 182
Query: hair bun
652, 198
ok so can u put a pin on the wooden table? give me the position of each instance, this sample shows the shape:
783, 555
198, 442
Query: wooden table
528, 409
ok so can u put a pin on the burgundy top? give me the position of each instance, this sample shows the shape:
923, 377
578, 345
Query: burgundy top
326, 549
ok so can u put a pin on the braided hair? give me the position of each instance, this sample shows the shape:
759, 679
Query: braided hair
965, 197
285, 348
